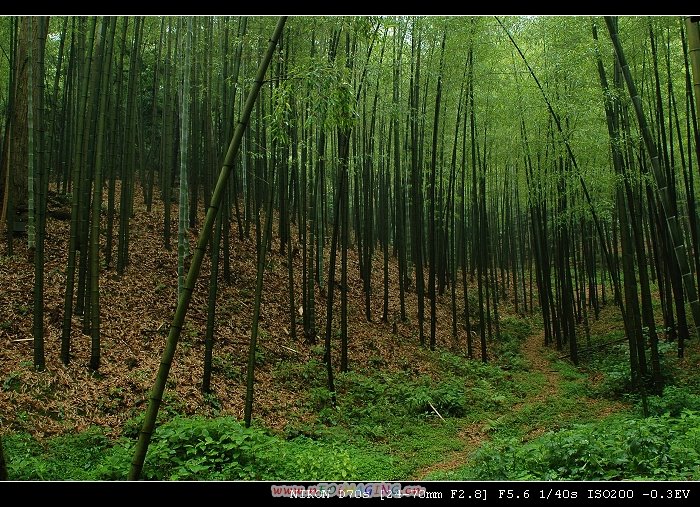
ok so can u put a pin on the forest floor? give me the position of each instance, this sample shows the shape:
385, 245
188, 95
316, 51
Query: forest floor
391, 404
136, 310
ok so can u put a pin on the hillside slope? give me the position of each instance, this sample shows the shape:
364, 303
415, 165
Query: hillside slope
136, 310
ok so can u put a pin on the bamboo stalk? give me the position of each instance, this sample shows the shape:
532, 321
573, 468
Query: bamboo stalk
186, 295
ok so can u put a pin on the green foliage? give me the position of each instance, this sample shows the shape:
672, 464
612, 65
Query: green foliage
327, 91
614, 363
467, 387
223, 449
11, 382
385, 428
448, 398
320, 397
260, 357
574, 383
292, 372
169, 409
515, 328
306, 459
225, 365
552, 414
194, 449
619, 448
61, 458
213, 401
514, 331
674, 400
281, 110
470, 370
452, 398
615, 367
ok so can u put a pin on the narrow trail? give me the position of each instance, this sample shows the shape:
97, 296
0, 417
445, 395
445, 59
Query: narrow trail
533, 350
475, 434
472, 436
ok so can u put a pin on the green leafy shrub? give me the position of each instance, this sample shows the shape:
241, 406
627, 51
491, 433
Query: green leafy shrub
197, 448
615, 366
467, 387
320, 398
513, 332
515, 328
223, 449
305, 459
620, 448
448, 398
396, 395
614, 363
673, 401
473, 371
291, 372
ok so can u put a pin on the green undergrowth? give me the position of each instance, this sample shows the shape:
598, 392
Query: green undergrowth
223, 449
390, 424
386, 425
580, 435
513, 332
182, 449
72, 457
620, 447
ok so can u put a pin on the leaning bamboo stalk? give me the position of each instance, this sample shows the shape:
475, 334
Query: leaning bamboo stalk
664, 191
693, 31
186, 295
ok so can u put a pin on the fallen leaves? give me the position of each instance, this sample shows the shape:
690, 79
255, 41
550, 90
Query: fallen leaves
136, 310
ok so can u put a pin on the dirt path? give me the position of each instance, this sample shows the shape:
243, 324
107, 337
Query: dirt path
475, 434
472, 436
533, 351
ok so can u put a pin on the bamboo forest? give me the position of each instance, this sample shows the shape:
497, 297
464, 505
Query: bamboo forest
349, 248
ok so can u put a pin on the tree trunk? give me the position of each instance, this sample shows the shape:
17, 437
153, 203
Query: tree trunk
183, 245
41, 182
78, 169
97, 194
126, 200
252, 348
19, 151
693, 31
432, 223
416, 184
